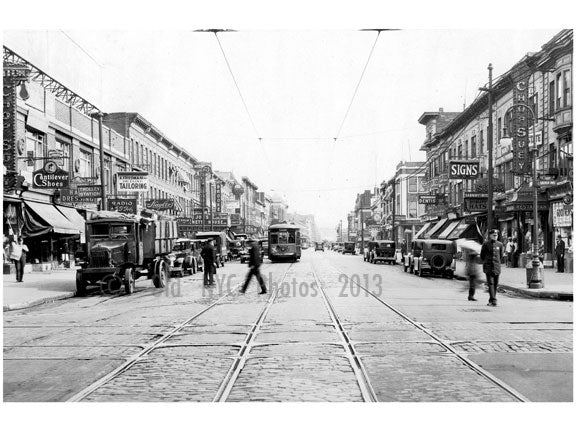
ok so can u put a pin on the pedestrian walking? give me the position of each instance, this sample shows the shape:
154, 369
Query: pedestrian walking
560, 250
491, 255
509, 252
254, 262
472, 273
208, 254
18, 252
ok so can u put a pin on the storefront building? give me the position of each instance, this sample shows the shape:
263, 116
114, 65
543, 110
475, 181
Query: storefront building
546, 76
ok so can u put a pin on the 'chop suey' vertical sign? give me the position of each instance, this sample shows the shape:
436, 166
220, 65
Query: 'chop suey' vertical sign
520, 123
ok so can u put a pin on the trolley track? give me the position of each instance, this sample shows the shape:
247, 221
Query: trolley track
368, 393
240, 360
467, 362
166, 336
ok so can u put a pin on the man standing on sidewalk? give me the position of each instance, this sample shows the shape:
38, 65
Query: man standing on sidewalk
560, 249
254, 263
491, 255
18, 252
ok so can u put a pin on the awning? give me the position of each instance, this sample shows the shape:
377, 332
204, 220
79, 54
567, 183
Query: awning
76, 219
448, 230
40, 219
423, 230
465, 230
436, 227
230, 236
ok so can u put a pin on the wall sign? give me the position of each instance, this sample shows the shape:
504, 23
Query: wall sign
218, 197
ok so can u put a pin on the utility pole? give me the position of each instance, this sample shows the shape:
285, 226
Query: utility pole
102, 180
394, 208
490, 138
490, 150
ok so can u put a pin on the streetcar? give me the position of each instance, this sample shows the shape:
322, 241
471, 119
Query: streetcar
284, 242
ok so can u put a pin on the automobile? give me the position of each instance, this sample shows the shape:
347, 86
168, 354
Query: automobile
319, 247
185, 257
349, 247
244, 254
431, 256
382, 251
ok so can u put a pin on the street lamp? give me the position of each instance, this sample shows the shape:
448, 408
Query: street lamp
536, 278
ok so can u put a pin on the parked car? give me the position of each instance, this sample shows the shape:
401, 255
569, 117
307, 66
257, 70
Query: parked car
382, 251
185, 257
319, 247
349, 247
431, 256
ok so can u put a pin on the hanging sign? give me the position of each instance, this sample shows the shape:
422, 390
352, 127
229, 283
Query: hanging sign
160, 204
427, 199
132, 182
50, 177
127, 206
463, 170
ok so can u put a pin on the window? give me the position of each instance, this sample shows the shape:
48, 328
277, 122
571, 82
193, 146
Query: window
533, 102
551, 97
567, 84
559, 90
412, 185
481, 149
412, 209
466, 149
85, 163
499, 128
35, 147
473, 147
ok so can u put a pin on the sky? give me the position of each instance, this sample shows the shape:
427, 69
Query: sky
317, 115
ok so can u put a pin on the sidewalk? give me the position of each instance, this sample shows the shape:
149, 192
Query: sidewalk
556, 285
37, 288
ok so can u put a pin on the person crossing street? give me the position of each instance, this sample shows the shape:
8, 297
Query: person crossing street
254, 262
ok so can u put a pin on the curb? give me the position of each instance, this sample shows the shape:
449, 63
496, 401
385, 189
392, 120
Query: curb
12, 307
534, 293
529, 293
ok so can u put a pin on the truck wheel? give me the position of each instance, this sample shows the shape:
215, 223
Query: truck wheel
193, 268
80, 284
129, 281
160, 277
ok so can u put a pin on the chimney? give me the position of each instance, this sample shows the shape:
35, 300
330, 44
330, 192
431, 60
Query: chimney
440, 109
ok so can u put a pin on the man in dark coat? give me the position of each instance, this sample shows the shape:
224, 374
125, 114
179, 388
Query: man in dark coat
491, 254
208, 254
254, 262
560, 249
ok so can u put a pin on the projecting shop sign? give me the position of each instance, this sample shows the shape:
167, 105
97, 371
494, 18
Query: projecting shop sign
132, 182
50, 177
519, 124
464, 170
128, 206
427, 199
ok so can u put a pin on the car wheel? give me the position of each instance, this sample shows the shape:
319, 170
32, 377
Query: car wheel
160, 277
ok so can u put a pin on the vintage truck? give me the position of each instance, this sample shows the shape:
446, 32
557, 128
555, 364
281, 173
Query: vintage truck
121, 248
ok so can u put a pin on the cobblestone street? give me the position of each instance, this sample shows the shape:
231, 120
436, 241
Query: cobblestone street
317, 336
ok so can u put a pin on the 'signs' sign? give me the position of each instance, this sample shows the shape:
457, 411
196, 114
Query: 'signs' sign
464, 170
